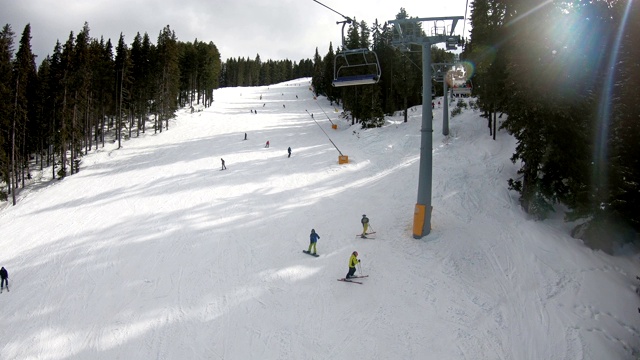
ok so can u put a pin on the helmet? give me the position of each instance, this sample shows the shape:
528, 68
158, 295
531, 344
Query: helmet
355, 253
313, 230
363, 215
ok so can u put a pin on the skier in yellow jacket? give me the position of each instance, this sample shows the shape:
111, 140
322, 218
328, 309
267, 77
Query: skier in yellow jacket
353, 260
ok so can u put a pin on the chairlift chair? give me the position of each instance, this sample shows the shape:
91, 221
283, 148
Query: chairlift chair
356, 67
452, 42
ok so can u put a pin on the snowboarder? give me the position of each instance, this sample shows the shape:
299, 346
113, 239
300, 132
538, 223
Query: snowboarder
267, 145
5, 279
365, 225
353, 261
223, 167
313, 239
289, 151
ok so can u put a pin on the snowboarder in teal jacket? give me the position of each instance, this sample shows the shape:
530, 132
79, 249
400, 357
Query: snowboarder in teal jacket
313, 239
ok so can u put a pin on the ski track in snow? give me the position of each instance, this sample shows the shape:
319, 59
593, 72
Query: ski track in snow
151, 251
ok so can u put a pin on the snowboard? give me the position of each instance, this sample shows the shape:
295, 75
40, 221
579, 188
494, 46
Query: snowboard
312, 254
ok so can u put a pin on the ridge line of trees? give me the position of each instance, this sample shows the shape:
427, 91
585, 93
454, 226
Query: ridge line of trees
56, 113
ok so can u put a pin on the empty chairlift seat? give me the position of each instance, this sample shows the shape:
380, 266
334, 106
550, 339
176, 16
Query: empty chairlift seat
356, 67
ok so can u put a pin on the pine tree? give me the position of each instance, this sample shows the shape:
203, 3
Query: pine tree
168, 74
6, 105
24, 85
327, 75
122, 88
317, 81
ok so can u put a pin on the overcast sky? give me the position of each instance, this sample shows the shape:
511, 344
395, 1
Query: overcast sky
276, 29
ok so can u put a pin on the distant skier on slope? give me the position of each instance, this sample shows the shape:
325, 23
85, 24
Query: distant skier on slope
4, 275
223, 166
365, 225
313, 239
353, 261
289, 151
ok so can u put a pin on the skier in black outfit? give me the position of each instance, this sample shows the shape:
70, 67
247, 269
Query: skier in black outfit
5, 279
289, 151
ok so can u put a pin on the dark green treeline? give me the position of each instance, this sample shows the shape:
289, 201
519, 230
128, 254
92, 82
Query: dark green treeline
566, 73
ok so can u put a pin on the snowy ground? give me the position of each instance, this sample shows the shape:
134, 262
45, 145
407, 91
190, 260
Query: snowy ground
152, 252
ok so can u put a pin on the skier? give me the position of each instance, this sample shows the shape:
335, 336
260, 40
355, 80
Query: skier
5, 279
353, 260
267, 145
313, 239
223, 167
245, 136
365, 225
289, 151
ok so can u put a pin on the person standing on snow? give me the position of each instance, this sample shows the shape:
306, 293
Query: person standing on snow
365, 225
223, 167
313, 239
353, 261
267, 145
4, 275
289, 151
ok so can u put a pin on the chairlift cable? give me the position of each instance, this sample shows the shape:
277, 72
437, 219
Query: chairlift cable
332, 143
464, 23
349, 20
325, 114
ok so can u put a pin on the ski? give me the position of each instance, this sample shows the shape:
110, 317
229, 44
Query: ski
312, 254
350, 281
361, 276
369, 233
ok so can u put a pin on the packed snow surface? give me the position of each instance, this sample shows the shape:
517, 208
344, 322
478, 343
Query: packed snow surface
152, 252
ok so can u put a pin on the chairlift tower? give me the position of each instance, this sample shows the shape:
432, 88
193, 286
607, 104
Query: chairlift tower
438, 33
440, 72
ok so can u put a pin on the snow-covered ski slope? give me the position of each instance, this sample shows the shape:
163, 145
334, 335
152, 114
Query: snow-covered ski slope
152, 252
